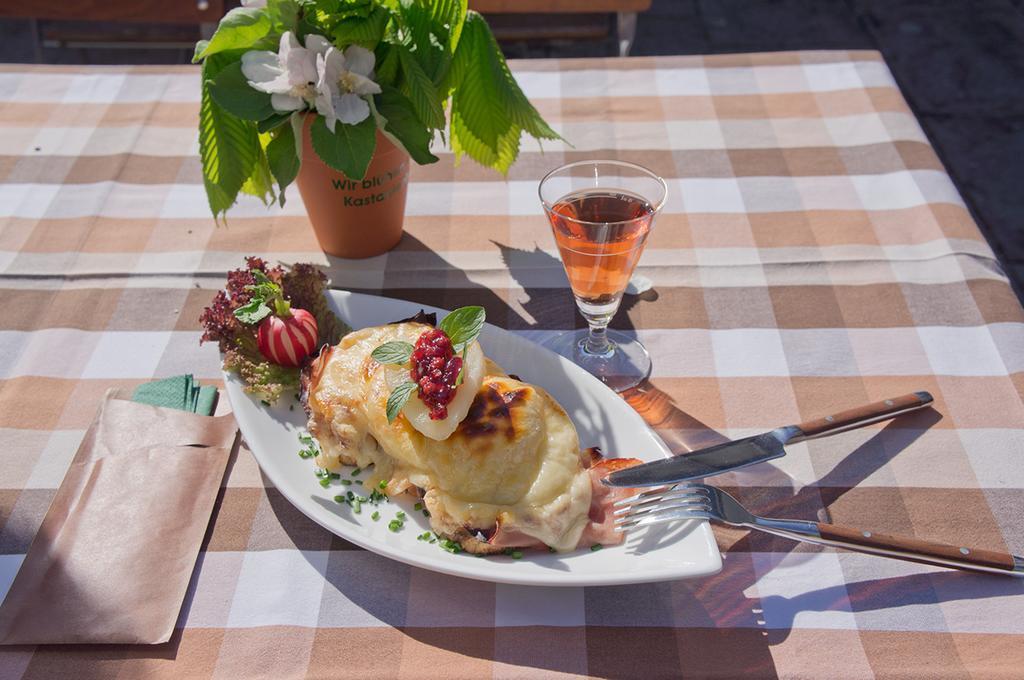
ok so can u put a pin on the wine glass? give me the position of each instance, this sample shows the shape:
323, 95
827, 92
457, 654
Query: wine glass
601, 213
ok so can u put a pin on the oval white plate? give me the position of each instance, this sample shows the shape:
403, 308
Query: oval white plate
602, 418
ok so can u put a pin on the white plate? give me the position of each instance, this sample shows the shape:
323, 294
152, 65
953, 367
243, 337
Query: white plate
602, 418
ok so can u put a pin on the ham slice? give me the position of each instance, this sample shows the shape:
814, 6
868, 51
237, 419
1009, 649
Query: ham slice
600, 529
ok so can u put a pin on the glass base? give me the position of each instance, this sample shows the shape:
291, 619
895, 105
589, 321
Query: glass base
627, 365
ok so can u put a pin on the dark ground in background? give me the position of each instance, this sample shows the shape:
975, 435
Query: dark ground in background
959, 63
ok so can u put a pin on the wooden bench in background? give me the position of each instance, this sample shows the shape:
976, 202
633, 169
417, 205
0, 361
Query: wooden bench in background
172, 23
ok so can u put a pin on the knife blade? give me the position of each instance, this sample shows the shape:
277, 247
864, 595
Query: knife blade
738, 454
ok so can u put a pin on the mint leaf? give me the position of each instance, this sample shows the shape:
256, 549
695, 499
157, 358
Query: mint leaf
349, 148
399, 396
254, 312
283, 160
231, 90
463, 325
394, 352
240, 28
401, 125
462, 368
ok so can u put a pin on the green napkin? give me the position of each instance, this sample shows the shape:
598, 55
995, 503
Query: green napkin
180, 392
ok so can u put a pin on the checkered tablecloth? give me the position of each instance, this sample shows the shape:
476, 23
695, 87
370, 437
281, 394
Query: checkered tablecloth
813, 255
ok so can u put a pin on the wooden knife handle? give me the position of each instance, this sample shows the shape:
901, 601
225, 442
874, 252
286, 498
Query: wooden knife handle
914, 550
863, 415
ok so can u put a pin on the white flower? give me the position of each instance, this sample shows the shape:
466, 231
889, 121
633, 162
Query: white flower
289, 76
344, 79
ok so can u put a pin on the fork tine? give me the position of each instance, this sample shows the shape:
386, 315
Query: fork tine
693, 501
677, 515
672, 495
658, 493
643, 495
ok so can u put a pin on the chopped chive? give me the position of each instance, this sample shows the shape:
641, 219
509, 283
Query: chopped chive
335, 475
383, 484
400, 515
375, 516
346, 482
433, 541
394, 525
339, 499
325, 482
355, 472
596, 547
425, 513
516, 554
349, 495
362, 499
418, 506
357, 507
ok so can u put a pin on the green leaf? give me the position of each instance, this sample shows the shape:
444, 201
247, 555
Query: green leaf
200, 48
449, 17
478, 86
349, 148
240, 28
283, 159
274, 122
260, 182
421, 35
394, 352
462, 369
520, 110
465, 142
463, 325
488, 111
401, 125
254, 312
228, 147
387, 65
284, 15
396, 401
233, 93
419, 88
359, 31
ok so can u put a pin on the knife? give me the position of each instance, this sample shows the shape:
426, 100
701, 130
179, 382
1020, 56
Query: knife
737, 454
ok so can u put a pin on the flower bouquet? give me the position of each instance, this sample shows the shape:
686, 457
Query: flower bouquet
345, 81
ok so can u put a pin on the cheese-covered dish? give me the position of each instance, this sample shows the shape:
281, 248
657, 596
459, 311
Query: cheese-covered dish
496, 460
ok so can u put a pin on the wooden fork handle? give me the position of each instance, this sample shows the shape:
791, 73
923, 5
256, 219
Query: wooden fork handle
914, 550
863, 415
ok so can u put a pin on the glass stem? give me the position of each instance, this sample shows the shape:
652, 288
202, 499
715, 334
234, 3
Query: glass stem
597, 340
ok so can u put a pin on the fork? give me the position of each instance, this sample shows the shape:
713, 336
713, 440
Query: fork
700, 501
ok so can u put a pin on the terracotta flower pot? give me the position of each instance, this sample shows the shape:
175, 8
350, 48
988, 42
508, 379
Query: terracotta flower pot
355, 218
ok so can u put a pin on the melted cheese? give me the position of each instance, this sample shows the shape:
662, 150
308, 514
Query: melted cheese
513, 460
